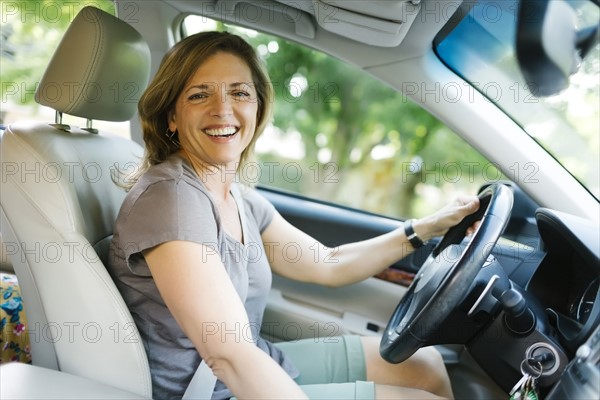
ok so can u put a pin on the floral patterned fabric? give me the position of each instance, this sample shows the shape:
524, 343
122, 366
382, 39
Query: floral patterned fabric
14, 341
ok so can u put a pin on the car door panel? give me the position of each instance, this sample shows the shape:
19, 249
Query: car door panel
301, 310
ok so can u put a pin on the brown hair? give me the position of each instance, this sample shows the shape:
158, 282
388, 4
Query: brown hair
176, 69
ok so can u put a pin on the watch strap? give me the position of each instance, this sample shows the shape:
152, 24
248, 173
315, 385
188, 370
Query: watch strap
412, 237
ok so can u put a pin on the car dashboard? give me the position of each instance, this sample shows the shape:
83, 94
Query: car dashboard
567, 281
561, 284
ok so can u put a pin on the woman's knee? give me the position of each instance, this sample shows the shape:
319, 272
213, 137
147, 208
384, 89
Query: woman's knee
429, 362
425, 370
425, 367
431, 359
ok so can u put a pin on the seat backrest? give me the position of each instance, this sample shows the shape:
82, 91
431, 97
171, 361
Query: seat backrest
59, 203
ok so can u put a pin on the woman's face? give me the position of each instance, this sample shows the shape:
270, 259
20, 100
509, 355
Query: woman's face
215, 114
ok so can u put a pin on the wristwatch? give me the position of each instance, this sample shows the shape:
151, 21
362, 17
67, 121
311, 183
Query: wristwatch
412, 237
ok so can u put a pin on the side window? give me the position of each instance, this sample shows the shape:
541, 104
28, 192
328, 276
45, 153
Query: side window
341, 136
31, 31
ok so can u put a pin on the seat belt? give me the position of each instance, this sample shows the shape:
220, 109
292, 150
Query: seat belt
202, 384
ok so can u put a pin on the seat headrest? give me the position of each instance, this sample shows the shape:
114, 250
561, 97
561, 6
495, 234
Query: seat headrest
99, 70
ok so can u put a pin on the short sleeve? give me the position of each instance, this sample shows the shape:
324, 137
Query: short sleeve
262, 210
165, 211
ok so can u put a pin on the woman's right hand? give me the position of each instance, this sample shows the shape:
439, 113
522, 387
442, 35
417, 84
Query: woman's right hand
438, 223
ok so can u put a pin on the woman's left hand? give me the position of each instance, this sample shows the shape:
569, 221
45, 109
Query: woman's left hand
438, 223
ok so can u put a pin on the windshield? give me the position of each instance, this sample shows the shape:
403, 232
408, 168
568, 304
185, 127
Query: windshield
481, 50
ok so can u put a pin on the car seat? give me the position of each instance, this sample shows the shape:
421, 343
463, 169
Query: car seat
59, 201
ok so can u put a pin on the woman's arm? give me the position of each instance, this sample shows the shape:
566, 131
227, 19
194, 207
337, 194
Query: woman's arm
201, 297
313, 262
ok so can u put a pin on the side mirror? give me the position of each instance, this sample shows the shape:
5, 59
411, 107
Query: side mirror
548, 45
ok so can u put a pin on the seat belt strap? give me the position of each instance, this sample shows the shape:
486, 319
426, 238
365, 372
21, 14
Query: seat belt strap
202, 384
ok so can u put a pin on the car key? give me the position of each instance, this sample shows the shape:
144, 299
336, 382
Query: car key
525, 388
515, 393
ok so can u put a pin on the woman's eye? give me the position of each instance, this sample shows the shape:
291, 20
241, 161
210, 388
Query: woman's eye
197, 97
241, 93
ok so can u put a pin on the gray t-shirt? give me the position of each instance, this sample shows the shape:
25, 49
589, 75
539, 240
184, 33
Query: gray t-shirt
170, 202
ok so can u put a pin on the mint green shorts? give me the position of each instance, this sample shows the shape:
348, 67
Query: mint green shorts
331, 368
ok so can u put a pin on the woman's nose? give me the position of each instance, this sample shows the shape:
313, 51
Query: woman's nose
221, 103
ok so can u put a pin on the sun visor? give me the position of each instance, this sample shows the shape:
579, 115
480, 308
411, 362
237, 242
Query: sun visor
379, 22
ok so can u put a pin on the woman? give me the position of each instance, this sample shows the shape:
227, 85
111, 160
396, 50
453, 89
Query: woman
189, 255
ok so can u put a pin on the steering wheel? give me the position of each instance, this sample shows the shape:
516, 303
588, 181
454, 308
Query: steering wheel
445, 277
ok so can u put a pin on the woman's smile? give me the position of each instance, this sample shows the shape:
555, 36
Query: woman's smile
221, 134
224, 132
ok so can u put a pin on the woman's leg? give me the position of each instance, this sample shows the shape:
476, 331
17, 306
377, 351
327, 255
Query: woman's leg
423, 370
325, 364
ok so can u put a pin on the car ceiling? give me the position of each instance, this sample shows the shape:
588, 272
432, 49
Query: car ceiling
381, 31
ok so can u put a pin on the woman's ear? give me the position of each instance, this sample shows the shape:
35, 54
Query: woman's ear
172, 122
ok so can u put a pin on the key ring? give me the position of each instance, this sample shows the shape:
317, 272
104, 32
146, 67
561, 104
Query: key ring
531, 368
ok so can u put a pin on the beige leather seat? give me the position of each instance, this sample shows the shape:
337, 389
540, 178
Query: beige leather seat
59, 202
